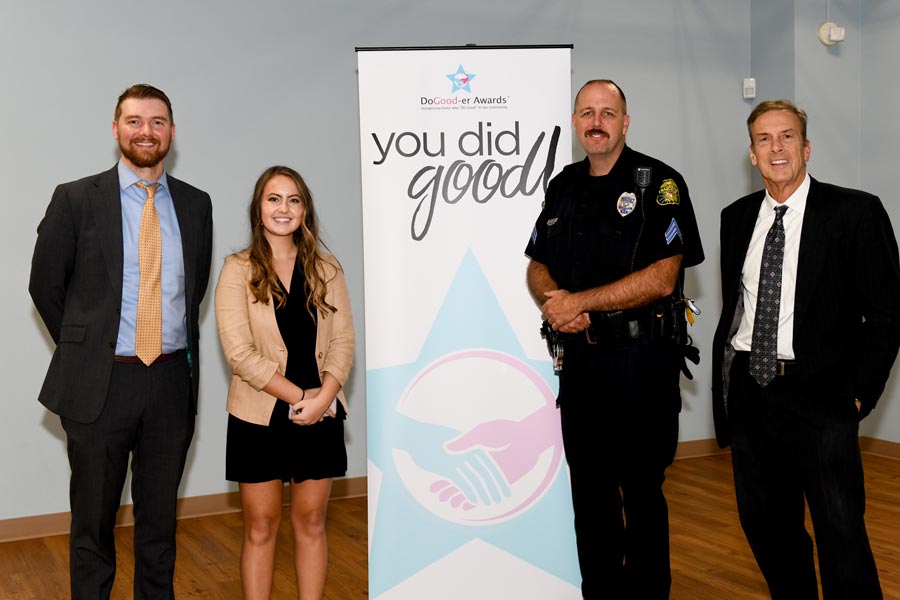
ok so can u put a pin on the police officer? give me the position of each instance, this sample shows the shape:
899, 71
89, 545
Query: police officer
608, 254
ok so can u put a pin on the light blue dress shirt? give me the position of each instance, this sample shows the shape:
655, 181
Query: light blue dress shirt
174, 321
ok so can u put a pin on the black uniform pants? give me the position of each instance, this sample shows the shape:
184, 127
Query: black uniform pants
149, 415
619, 411
793, 441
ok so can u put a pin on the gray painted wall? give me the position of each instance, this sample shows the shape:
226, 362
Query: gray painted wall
275, 82
879, 152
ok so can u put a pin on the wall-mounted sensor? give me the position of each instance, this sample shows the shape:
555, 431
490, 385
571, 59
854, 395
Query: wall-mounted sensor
749, 88
830, 33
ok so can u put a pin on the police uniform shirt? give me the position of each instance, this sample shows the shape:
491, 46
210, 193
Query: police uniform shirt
595, 230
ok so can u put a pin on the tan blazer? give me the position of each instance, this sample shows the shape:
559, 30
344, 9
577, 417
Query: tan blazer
253, 345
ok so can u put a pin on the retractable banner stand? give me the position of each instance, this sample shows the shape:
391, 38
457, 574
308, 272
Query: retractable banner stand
467, 480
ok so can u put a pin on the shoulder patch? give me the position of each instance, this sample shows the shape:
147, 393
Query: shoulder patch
668, 193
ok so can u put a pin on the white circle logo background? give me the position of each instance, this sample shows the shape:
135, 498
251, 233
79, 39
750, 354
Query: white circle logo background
487, 389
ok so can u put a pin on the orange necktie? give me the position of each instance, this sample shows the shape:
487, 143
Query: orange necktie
148, 330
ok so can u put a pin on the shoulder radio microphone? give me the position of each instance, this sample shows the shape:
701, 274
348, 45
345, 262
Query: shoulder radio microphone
642, 177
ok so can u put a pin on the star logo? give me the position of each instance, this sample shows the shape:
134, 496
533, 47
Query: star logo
461, 80
463, 441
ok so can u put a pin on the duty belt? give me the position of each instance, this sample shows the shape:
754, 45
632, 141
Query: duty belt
617, 327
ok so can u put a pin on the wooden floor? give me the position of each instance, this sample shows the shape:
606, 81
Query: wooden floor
710, 558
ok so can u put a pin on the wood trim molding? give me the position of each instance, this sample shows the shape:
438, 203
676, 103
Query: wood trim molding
698, 448
196, 506
880, 447
25, 528
199, 506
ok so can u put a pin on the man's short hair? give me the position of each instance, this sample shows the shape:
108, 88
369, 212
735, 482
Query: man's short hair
608, 82
143, 91
769, 105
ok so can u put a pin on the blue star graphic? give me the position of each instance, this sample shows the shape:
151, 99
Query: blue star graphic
407, 537
461, 80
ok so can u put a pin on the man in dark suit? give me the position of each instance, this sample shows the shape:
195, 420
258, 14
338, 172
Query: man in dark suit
809, 330
120, 266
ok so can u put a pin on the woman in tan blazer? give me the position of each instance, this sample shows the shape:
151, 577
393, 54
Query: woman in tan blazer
284, 320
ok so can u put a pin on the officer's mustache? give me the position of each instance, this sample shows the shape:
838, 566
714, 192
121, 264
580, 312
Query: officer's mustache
593, 132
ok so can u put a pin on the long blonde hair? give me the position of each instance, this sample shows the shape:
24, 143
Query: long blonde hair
264, 282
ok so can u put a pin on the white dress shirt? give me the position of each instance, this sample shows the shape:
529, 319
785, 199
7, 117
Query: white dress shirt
793, 224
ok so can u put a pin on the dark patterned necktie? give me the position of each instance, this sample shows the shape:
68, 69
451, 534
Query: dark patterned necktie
764, 351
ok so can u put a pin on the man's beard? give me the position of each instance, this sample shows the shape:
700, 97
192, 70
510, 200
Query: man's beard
143, 158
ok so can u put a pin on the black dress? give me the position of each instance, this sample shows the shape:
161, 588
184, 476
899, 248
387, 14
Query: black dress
283, 450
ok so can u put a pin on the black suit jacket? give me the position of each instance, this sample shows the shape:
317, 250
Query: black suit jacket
847, 299
76, 285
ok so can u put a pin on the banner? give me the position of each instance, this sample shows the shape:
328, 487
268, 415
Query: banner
468, 487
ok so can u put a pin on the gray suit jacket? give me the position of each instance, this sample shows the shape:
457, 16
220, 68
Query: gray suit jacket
76, 285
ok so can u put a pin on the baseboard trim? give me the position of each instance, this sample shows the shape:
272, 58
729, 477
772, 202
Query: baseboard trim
868, 445
24, 528
698, 448
879, 447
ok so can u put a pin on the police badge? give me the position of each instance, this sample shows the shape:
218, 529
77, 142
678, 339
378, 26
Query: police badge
626, 203
668, 193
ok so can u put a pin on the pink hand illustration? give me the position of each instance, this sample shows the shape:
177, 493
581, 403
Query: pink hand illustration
514, 445
499, 453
